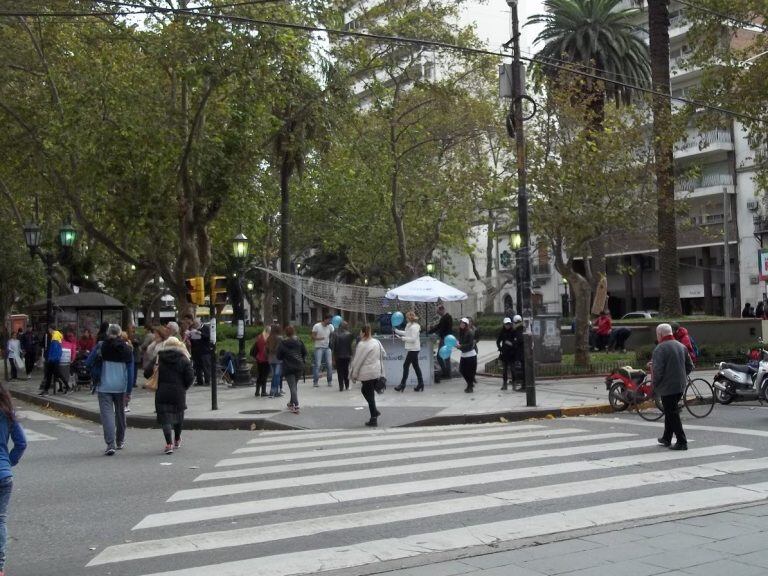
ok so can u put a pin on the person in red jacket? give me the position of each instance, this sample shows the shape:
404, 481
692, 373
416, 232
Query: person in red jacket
603, 330
682, 336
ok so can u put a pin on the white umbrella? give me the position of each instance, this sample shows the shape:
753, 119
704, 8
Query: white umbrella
426, 289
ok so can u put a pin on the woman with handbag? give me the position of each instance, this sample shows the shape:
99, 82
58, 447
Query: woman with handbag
174, 377
368, 368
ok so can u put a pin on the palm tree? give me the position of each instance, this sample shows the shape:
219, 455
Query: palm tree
596, 37
658, 32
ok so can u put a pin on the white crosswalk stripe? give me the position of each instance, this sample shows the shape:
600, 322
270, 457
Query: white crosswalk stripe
307, 492
33, 436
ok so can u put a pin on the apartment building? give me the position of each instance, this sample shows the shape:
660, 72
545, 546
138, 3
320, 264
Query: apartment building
719, 201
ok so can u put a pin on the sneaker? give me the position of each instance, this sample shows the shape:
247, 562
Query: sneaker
177, 444
169, 448
330, 384
315, 385
664, 442
120, 445
109, 451
295, 409
43, 393
679, 446
126, 409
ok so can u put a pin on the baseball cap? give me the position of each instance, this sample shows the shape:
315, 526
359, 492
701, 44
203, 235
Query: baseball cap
517, 318
465, 321
507, 321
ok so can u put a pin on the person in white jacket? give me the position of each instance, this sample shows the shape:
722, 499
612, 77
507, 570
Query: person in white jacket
412, 338
367, 367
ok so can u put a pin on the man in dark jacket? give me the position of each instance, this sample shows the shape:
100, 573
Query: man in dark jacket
443, 327
200, 347
671, 365
341, 341
30, 345
510, 345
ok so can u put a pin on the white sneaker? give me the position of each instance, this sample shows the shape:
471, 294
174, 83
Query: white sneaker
126, 409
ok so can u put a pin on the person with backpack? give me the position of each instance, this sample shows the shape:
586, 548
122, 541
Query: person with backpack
10, 429
116, 365
292, 353
681, 335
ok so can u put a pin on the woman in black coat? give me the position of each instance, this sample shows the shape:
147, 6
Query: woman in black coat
175, 375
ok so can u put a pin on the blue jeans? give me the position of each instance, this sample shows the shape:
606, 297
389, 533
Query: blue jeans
6, 485
111, 407
320, 354
277, 378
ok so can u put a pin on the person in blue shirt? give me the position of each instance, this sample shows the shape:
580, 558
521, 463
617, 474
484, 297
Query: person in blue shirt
9, 429
52, 359
116, 366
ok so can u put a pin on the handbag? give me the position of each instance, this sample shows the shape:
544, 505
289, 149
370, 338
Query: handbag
151, 383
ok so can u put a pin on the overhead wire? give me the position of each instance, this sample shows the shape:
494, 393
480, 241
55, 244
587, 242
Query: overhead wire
194, 13
721, 15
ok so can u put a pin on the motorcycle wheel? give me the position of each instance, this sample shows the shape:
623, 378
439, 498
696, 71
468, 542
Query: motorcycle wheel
616, 397
723, 397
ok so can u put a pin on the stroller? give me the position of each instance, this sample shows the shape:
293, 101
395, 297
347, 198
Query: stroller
226, 367
81, 371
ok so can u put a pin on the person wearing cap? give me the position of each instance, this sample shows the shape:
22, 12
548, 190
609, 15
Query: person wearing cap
468, 361
443, 327
510, 345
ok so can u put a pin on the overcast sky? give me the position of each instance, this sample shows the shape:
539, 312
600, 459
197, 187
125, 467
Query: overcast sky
493, 21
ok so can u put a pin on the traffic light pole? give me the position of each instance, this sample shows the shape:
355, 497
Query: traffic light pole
214, 359
524, 260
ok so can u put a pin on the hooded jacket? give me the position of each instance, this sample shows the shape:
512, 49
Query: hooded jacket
293, 354
682, 336
53, 354
116, 357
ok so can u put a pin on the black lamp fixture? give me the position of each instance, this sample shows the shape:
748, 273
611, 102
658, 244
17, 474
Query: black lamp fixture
430, 268
240, 246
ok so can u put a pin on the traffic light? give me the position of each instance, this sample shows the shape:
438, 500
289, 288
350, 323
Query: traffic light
195, 290
218, 290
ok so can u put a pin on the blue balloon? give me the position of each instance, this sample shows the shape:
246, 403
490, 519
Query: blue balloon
444, 352
397, 319
336, 321
450, 341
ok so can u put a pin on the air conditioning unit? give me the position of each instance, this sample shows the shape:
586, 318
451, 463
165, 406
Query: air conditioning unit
752, 205
754, 280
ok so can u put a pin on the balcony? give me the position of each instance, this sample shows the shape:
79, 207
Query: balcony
709, 185
539, 269
712, 142
704, 231
678, 25
761, 225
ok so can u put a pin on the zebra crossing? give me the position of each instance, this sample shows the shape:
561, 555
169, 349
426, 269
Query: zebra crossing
292, 503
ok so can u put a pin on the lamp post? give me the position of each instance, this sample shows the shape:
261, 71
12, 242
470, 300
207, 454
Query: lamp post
299, 266
430, 268
33, 237
515, 241
240, 249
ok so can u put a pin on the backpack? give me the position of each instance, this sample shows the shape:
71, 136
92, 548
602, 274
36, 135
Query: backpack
694, 346
94, 363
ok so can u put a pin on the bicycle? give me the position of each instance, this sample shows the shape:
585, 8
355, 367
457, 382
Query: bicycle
633, 389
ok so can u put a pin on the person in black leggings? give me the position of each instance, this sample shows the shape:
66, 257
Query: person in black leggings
367, 368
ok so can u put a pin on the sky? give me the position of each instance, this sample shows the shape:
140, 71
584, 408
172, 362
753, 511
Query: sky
492, 19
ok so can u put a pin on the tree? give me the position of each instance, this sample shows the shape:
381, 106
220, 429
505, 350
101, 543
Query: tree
658, 32
584, 186
600, 39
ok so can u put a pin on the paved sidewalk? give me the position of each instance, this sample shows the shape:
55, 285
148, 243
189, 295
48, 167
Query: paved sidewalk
731, 542
326, 407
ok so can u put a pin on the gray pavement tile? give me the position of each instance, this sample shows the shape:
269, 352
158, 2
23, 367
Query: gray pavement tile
562, 547
715, 531
566, 563
677, 541
498, 559
627, 568
508, 570
729, 567
653, 530
753, 511
614, 538
755, 559
683, 558
451, 568
744, 544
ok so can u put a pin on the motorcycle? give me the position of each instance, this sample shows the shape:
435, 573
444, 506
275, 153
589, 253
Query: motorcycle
743, 381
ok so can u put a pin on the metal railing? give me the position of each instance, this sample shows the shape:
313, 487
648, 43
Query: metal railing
705, 139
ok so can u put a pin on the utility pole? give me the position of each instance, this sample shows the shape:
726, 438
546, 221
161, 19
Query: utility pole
515, 123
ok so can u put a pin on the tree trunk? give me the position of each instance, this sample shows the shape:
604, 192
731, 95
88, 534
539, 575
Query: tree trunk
658, 30
580, 292
286, 169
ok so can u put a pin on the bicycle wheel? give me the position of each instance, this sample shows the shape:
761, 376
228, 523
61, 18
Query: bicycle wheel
649, 408
617, 397
699, 397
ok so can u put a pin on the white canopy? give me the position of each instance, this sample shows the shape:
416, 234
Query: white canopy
426, 289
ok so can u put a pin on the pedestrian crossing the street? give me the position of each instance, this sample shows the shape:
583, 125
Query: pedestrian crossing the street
294, 503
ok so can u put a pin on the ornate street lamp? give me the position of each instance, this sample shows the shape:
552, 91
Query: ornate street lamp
430, 268
240, 249
33, 239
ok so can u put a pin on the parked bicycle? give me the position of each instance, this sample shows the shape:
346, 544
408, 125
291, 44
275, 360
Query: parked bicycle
632, 389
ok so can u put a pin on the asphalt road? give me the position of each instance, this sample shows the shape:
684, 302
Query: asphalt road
354, 502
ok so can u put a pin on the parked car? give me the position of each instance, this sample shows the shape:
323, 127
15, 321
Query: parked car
640, 315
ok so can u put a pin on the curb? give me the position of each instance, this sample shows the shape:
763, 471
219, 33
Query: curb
267, 424
150, 422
